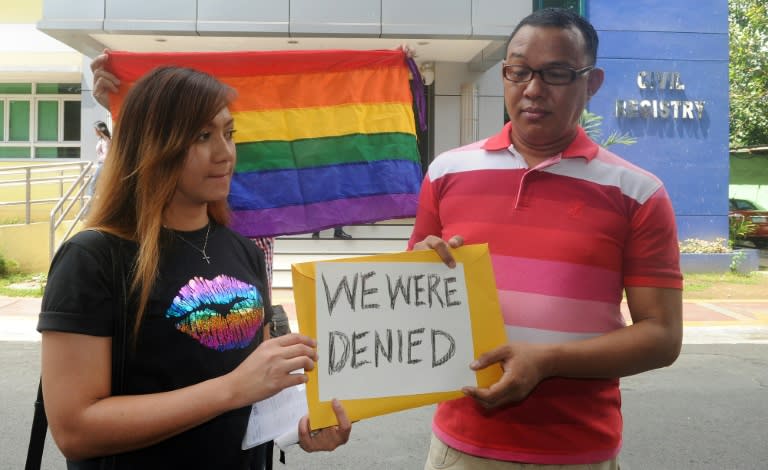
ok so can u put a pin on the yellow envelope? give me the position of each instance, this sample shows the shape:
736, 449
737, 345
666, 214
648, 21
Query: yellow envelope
485, 318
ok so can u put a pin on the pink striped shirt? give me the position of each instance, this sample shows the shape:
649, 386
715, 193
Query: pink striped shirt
565, 238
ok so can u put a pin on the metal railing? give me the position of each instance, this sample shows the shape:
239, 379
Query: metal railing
65, 184
75, 196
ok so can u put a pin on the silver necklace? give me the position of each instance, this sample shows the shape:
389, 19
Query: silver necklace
206, 258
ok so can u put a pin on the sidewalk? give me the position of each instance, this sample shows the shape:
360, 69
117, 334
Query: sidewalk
705, 321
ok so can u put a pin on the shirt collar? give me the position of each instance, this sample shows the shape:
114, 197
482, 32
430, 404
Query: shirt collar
582, 146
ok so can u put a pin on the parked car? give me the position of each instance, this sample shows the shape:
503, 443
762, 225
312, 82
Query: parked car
751, 212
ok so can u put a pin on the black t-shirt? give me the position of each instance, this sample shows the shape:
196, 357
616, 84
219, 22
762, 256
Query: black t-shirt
201, 321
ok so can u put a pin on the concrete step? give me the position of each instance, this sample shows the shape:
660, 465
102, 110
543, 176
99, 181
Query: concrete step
284, 261
401, 231
305, 246
389, 236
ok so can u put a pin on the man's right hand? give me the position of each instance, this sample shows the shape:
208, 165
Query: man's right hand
104, 82
442, 247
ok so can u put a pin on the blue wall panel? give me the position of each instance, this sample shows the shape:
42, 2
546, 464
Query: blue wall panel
702, 16
688, 152
701, 227
656, 45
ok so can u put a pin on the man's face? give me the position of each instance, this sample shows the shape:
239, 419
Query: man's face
546, 116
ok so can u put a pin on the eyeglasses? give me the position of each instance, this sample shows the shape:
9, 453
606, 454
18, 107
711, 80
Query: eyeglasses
550, 75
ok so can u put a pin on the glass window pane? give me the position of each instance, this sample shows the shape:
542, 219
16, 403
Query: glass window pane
69, 152
2, 120
46, 152
15, 152
57, 152
16, 88
58, 88
72, 121
48, 121
19, 121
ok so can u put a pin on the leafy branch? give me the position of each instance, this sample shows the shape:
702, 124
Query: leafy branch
592, 125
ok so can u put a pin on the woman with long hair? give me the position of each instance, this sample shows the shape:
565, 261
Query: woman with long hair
103, 140
198, 353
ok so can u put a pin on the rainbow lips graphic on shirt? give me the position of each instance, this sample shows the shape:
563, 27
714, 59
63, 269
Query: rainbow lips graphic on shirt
221, 313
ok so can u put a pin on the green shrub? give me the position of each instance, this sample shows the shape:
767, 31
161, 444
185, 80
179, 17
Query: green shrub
737, 260
739, 228
4, 268
12, 221
22, 284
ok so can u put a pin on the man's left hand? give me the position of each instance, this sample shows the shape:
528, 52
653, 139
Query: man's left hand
523, 369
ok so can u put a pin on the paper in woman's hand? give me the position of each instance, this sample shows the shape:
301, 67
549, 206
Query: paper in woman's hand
276, 417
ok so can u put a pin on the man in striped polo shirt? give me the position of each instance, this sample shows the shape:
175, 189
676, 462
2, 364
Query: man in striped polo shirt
571, 227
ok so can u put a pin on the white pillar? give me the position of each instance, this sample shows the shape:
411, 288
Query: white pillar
469, 114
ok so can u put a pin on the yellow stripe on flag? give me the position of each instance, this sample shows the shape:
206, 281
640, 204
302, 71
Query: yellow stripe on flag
311, 123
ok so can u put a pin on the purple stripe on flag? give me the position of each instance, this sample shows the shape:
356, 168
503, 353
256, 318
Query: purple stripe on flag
419, 94
319, 216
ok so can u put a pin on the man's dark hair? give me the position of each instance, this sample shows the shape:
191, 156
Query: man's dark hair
562, 18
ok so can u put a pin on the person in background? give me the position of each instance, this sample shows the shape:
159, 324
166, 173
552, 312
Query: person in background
198, 352
102, 149
338, 233
570, 227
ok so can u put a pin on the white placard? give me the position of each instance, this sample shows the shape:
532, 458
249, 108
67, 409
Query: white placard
390, 329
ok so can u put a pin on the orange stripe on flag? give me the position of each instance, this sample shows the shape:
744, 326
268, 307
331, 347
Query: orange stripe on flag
319, 89
287, 76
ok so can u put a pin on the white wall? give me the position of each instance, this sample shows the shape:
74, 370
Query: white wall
449, 76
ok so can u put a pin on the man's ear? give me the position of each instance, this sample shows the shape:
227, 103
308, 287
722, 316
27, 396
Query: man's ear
595, 81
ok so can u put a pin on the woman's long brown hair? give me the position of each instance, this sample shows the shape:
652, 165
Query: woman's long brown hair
161, 117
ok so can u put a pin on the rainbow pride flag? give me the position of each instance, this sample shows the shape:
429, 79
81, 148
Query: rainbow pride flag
325, 138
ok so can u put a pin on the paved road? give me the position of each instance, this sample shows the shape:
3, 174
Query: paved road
706, 412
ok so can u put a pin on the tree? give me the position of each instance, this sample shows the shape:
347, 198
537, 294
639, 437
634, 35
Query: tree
748, 72
592, 125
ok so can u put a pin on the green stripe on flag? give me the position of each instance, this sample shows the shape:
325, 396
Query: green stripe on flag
308, 153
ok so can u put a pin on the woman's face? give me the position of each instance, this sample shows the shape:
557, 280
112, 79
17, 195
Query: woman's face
209, 164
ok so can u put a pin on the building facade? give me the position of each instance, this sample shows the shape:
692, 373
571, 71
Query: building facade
39, 88
666, 71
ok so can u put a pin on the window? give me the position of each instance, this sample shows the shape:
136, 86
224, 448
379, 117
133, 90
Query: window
576, 5
72, 120
18, 122
40, 120
15, 88
48, 121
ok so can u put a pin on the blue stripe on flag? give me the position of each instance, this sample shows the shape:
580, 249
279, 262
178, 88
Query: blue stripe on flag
269, 189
